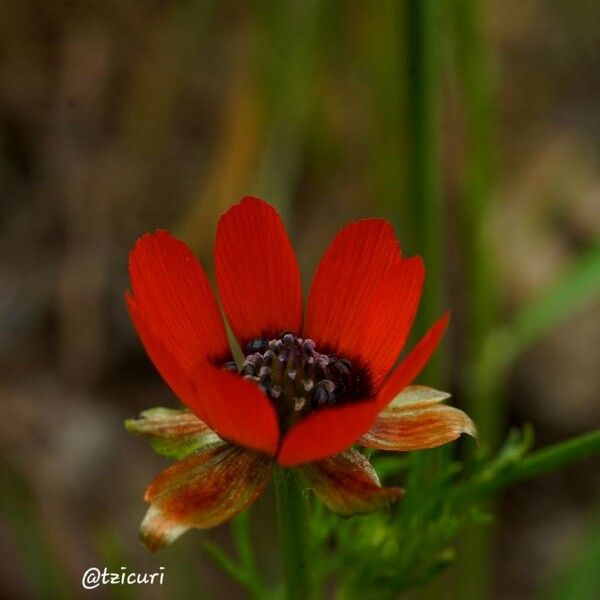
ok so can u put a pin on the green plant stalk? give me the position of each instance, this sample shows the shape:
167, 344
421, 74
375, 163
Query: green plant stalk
480, 275
243, 570
549, 459
242, 537
424, 212
291, 37
292, 518
382, 56
545, 460
482, 388
224, 561
424, 208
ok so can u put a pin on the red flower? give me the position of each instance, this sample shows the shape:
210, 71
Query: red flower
310, 386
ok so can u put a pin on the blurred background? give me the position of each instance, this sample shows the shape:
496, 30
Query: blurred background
473, 126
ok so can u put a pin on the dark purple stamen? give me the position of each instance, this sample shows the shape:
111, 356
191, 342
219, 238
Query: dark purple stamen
298, 379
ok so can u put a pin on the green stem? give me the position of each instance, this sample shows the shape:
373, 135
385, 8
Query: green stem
292, 513
242, 537
545, 460
478, 264
237, 572
423, 34
244, 570
552, 458
291, 35
425, 217
224, 561
425, 206
481, 384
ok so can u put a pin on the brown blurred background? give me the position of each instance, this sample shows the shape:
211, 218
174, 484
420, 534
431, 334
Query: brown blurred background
121, 116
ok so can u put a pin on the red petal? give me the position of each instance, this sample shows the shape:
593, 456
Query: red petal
257, 272
202, 491
391, 315
170, 369
348, 485
175, 299
238, 410
411, 366
364, 297
326, 432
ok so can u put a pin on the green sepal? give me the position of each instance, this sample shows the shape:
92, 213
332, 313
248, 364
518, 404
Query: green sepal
174, 433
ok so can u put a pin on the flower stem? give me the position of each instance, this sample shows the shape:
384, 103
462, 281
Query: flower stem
292, 513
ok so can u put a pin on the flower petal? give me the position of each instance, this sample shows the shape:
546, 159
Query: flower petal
417, 396
329, 431
170, 369
412, 365
173, 433
175, 299
257, 272
202, 491
326, 432
347, 484
391, 315
364, 297
238, 410
415, 420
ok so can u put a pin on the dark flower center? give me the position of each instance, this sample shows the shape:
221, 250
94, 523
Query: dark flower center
298, 379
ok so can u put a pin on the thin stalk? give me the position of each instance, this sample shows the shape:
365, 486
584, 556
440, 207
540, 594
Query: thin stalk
242, 537
224, 561
382, 56
243, 570
292, 518
481, 387
425, 207
423, 89
291, 37
481, 310
425, 215
542, 461
552, 458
